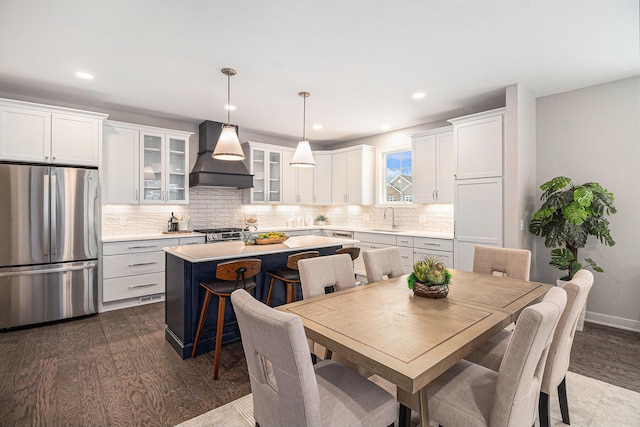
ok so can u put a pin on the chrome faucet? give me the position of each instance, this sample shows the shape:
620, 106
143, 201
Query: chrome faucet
394, 226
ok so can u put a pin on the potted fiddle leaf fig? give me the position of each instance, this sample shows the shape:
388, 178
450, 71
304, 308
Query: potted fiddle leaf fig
568, 216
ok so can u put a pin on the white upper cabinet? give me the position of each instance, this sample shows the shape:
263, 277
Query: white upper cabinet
265, 164
143, 164
322, 179
47, 134
433, 166
352, 175
297, 182
478, 145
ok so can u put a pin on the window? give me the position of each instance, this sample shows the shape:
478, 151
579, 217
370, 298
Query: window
398, 180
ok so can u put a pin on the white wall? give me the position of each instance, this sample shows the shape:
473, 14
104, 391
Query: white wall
593, 134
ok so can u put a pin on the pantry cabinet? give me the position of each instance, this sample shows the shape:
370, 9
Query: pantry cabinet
143, 164
47, 134
433, 166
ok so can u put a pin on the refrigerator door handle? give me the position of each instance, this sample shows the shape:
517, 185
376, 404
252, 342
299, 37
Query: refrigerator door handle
54, 208
45, 214
47, 271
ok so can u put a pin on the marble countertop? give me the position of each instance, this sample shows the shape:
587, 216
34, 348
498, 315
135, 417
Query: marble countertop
230, 250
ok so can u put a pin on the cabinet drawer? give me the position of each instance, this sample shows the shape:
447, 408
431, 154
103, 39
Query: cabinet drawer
132, 264
192, 240
136, 246
406, 255
404, 241
132, 287
433, 244
384, 239
446, 257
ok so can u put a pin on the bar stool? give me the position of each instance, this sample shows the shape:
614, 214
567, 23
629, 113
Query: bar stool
289, 276
353, 252
230, 276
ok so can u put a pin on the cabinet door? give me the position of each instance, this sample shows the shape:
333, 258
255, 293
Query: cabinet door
478, 218
289, 180
424, 170
321, 180
152, 168
355, 179
176, 170
339, 178
444, 167
25, 135
305, 185
275, 176
478, 148
120, 165
75, 140
259, 171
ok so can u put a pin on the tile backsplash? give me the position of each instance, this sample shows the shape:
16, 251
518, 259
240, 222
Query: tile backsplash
223, 207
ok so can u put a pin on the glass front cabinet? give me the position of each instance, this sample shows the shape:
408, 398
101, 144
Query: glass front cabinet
164, 166
265, 164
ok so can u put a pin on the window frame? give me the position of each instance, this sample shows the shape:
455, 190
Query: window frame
381, 194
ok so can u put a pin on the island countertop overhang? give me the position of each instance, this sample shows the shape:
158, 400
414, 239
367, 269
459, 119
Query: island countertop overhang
231, 250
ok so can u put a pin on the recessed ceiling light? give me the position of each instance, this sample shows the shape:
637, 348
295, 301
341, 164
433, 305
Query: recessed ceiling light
230, 107
317, 126
83, 75
418, 95
385, 127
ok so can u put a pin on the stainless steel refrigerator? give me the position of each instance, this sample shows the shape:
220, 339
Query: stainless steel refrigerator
48, 243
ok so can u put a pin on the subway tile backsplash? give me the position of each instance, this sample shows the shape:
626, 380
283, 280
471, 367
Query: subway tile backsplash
222, 207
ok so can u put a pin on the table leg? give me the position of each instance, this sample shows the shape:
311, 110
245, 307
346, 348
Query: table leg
424, 407
404, 416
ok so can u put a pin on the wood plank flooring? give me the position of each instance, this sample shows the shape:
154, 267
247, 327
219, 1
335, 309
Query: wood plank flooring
117, 369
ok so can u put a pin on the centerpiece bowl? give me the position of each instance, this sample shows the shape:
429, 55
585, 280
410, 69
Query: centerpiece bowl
430, 278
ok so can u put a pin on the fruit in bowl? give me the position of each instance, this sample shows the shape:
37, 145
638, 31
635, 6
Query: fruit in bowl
271, 235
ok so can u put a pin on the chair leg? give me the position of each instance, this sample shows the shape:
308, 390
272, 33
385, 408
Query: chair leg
273, 279
543, 410
404, 416
290, 292
219, 326
564, 403
203, 314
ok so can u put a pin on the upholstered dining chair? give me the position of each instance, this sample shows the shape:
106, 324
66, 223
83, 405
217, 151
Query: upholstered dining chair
382, 262
288, 390
471, 395
492, 352
511, 263
322, 275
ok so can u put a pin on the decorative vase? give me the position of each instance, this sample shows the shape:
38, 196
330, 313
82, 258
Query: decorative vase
433, 291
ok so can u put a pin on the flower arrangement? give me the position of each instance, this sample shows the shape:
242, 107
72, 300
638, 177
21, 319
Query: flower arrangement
321, 220
429, 278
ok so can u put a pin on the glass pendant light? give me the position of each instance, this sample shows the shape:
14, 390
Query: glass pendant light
228, 146
303, 157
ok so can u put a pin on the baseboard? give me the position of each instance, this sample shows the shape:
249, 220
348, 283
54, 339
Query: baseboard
613, 321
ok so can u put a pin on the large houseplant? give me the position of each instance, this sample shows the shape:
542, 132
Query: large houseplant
568, 216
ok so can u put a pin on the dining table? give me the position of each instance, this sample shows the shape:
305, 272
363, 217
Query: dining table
410, 340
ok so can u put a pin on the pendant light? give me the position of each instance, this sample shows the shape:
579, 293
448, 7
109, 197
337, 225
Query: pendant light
303, 157
228, 146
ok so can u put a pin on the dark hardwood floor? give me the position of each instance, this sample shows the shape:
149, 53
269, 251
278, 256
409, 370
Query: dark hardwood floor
117, 369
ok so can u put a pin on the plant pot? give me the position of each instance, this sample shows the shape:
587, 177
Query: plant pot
433, 291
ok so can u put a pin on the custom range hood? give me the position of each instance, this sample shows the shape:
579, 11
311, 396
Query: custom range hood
210, 172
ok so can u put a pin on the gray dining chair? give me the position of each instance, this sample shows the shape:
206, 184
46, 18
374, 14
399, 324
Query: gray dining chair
382, 262
471, 395
492, 352
288, 390
322, 275
511, 263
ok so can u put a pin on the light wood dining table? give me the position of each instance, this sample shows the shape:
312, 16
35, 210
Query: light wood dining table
410, 340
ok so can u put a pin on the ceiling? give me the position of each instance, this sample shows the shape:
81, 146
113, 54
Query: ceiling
360, 60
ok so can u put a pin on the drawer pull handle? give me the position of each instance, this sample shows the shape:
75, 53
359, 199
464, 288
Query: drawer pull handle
404, 256
432, 244
142, 246
142, 286
142, 263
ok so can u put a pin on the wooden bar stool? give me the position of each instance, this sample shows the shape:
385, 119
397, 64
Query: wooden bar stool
230, 276
290, 275
353, 252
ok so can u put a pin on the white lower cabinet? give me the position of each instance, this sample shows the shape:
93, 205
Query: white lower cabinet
133, 271
427, 246
367, 242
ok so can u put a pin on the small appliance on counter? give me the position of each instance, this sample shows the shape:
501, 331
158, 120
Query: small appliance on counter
172, 224
215, 235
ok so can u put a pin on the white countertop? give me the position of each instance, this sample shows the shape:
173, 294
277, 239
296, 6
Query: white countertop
129, 237
229, 250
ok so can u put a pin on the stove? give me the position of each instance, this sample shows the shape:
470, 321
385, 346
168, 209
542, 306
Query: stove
215, 235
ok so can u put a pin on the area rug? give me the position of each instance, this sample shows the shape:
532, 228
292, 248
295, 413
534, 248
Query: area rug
592, 403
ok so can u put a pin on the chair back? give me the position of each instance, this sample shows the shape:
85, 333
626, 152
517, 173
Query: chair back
353, 251
332, 271
512, 263
283, 382
292, 260
238, 271
520, 376
560, 350
382, 262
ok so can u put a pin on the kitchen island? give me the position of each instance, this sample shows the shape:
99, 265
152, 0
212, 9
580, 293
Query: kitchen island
187, 266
